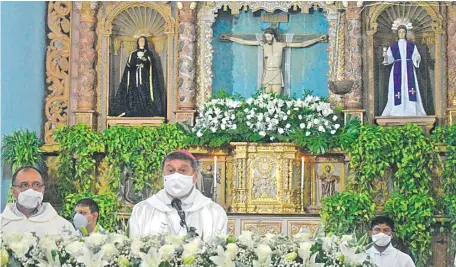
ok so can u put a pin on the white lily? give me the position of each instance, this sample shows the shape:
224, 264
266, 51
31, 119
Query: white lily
51, 261
312, 262
90, 259
223, 259
151, 259
264, 256
350, 255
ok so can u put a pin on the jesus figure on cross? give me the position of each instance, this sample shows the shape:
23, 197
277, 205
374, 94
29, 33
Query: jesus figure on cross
272, 79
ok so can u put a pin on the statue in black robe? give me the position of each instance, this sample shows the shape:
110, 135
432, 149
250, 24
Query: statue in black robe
141, 92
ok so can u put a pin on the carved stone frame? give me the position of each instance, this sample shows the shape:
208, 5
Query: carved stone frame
104, 30
437, 26
206, 17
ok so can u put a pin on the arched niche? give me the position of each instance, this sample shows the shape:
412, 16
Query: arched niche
119, 25
427, 33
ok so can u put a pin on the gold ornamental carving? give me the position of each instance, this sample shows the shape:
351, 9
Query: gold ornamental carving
231, 227
57, 68
109, 37
295, 227
264, 178
261, 228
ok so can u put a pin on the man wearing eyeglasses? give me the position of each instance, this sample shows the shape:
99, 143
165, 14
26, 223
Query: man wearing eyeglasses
29, 214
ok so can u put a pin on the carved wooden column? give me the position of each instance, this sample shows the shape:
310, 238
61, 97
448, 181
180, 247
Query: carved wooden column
353, 60
335, 43
187, 63
451, 65
85, 110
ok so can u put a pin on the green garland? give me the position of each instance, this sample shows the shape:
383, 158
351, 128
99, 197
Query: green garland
136, 153
413, 216
78, 145
346, 212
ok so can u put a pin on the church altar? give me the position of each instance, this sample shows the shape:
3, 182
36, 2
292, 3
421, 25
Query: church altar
225, 51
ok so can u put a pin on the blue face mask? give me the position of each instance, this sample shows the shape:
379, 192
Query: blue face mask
80, 221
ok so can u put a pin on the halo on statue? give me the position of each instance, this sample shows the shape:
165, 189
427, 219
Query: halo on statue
323, 168
402, 22
142, 33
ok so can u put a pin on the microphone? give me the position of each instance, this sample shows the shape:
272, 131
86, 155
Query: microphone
177, 204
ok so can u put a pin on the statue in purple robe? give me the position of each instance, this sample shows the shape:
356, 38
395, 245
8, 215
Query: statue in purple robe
404, 97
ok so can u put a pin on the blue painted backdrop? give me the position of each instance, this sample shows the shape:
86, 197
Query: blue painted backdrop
23, 50
235, 66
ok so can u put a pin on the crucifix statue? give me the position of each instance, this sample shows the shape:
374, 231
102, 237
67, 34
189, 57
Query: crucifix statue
272, 78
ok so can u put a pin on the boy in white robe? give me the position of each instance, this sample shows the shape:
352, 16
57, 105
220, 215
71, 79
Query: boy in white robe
382, 252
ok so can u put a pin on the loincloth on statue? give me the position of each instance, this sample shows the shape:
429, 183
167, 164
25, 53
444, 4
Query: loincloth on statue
272, 76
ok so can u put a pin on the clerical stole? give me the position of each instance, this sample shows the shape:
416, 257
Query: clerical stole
397, 72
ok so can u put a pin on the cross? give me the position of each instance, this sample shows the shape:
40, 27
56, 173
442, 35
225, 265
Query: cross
412, 91
398, 95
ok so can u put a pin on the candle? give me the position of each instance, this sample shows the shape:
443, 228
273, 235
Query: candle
302, 172
215, 171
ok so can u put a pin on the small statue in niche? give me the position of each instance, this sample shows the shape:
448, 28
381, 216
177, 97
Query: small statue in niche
141, 92
328, 181
207, 183
404, 97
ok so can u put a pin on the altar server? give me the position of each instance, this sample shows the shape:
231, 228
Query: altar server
382, 252
29, 214
179, 208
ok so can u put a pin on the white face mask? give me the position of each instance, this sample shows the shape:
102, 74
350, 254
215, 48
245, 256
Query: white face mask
80, 221
30, 198
178, 185
381, 239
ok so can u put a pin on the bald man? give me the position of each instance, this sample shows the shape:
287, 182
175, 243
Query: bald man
29, 214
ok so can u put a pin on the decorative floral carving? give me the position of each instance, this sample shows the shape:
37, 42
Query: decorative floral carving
187, 49
57, 68
353, 55
451, 50
87, 56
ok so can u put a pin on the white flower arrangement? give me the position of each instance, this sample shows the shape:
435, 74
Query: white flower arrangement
265, 117
165, 251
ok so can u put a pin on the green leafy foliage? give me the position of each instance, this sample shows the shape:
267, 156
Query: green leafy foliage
136, 153
370, 155
348, 211
107, 203
413, 216
22, 148
414, 157
76, 170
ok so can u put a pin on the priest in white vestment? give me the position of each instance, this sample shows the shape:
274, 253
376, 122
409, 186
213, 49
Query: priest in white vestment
29, 214
382, 253
404, 97
159, 213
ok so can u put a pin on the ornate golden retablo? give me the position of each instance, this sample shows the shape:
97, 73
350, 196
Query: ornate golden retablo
265, 178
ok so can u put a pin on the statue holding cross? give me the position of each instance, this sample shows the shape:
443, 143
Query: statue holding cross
272, 78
